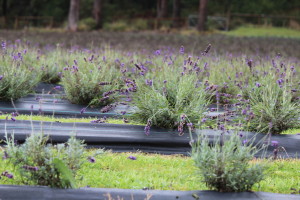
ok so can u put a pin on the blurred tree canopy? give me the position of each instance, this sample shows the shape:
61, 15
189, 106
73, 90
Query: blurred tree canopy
122, 9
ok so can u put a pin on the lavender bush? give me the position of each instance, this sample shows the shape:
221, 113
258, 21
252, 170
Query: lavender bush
90, 81
170, 96
39, 163
17, 79
225, 166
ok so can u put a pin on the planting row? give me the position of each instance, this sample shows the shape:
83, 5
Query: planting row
168, 89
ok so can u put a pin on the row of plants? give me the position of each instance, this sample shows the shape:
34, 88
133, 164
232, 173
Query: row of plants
168, 89
226, 166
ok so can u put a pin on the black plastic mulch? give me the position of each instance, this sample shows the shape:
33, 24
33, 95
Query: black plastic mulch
54, 104
126, 138
12, 192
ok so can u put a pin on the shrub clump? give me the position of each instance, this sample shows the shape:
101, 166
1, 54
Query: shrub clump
169, 97
16, 78
39, 163
89, 82
225, 166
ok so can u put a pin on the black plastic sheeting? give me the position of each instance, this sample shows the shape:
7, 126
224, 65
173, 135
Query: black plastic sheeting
11, 192
51, 101
48, 88
54, 104
131, 138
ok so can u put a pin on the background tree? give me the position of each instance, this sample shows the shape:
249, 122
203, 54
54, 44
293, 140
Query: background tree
73, 15
97, 13
162, 8
176, 13
202, 15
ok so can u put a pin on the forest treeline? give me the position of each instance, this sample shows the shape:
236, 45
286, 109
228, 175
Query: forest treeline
106, 11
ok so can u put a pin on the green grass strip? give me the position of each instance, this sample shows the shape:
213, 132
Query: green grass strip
161, 172
262, 31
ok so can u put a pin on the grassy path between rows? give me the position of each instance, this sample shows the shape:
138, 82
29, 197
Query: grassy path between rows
161, 172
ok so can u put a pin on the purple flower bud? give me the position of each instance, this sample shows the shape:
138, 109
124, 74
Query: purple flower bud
149, 82
3, 45
181, 51
245, 142
274, 143
157, 52
1, 77
131, 157
91, 159
13, 119
203, 120
57, 87
182, 117
82, 110
190, 125
257, 84
10, 176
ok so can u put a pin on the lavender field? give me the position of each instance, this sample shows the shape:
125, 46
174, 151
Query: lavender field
171, 80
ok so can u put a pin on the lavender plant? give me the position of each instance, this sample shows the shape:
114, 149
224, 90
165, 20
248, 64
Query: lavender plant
272, 106
39, 163
225, 166
88, 81
170, 96
16, 78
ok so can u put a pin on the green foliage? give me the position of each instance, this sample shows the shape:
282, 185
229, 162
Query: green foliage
67, 178
166, 96
87, 24
273, 106
120, 25
39, 163
225, 165
82, 81
17, 78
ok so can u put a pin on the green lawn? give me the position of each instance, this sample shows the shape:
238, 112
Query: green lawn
260, 31
161, 172
69, 120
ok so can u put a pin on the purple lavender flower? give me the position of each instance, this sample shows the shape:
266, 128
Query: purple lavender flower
58, 87
123, 112
13, 119
1, 77
257, 84
165, 81
244, 112
30, 168
107, 108
3, 45
14, 114
91, 159
182, 117
203, 120
147, 127
8, 175
293, 90
131, 157
181, 51
249, 63
245, 142
280, 82
157, 52
207, 49
82, 110
149, 82
274, 143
